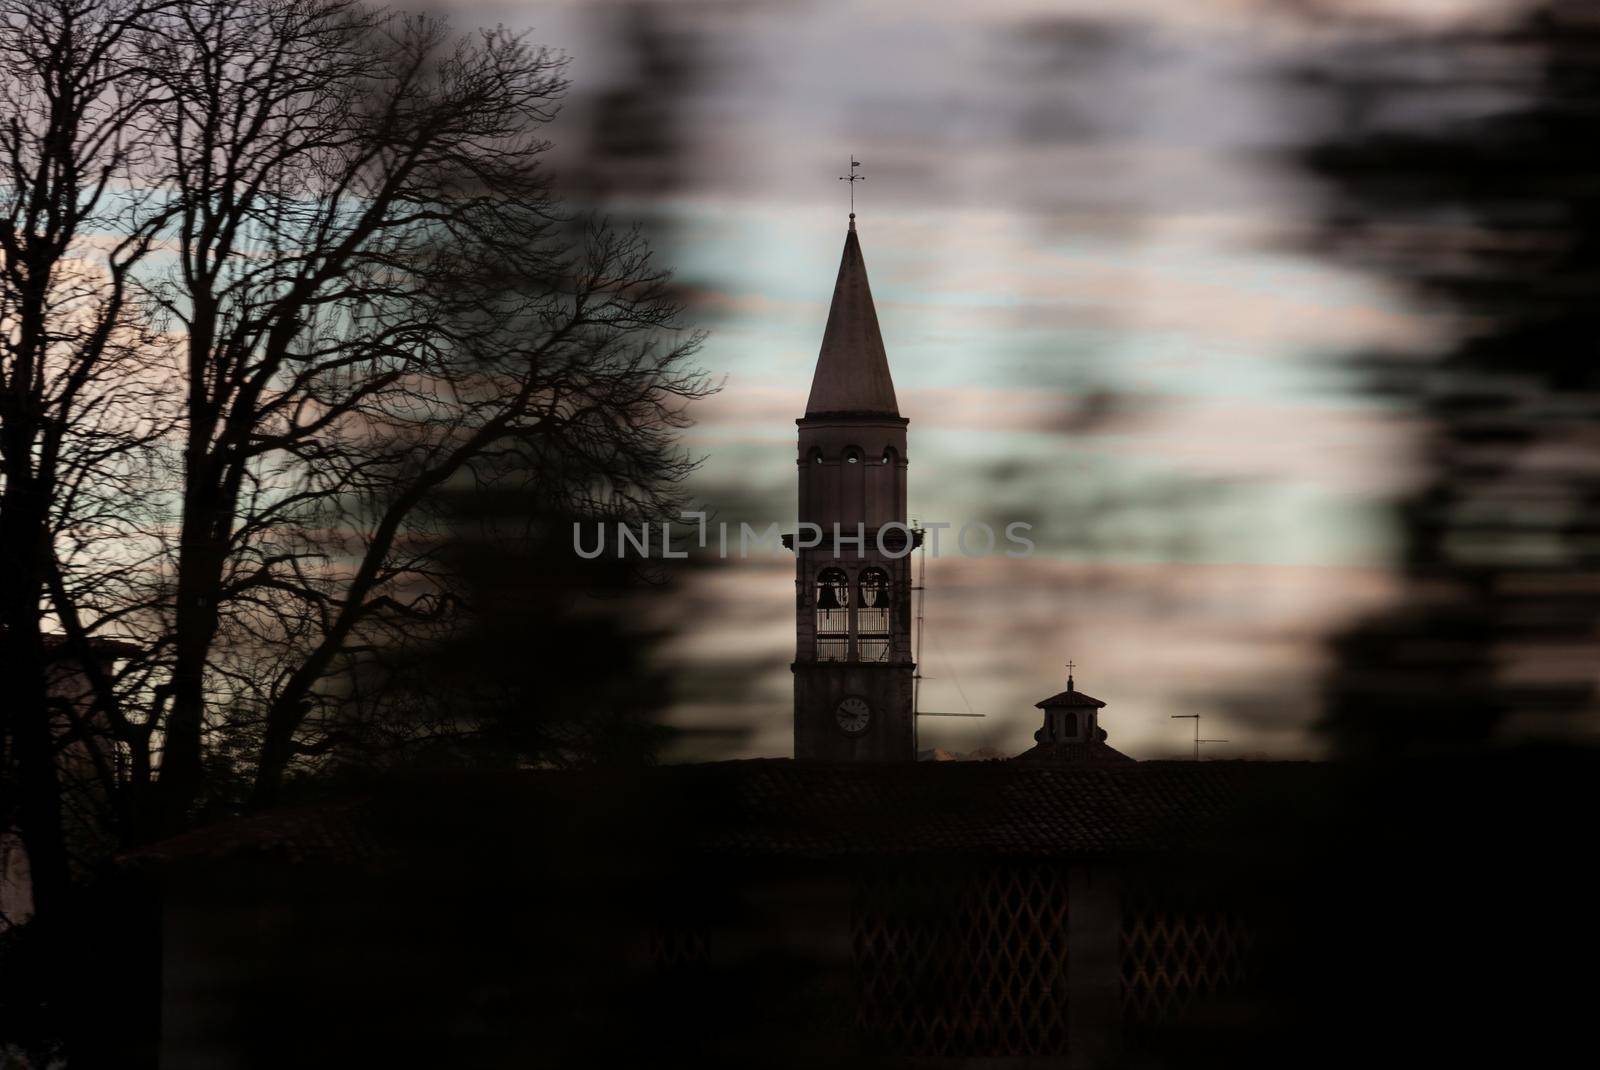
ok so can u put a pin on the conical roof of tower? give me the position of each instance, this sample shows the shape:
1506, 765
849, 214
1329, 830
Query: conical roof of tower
852, 370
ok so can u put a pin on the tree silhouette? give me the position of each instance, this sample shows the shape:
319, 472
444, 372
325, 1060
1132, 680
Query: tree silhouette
331, 290
552, 666
79, 405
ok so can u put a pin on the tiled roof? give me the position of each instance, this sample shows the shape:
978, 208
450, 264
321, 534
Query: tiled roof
778, 807
1095, 750
977, 807
344, 831
56, 645
1069, 697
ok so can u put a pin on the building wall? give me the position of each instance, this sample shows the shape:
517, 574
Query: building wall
512, 960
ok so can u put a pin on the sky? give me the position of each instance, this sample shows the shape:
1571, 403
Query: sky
1090, 255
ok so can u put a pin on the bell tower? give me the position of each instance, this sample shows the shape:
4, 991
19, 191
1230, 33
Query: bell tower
853, 667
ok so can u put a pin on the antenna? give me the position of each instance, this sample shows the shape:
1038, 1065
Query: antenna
1195, 717
921, 589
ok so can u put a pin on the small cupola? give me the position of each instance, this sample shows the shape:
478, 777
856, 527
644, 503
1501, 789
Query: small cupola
1071, 729
1070, 716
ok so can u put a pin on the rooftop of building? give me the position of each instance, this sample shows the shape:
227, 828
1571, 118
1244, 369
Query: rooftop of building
786, 808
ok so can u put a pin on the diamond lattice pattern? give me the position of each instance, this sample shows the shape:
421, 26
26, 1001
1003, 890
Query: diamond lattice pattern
963, 964
1174, 953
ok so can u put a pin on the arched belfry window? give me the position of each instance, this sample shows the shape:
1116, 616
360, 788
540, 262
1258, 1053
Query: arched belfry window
1070, 725
816, 455
889, 455
852, 456
833, 615
872, 615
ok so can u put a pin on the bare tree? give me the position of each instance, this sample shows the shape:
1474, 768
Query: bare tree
74, 361
342, 244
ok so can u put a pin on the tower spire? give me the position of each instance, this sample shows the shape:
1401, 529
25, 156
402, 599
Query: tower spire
854, 661
852, 375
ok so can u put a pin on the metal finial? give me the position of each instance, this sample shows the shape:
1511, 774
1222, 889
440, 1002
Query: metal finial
1070, 666
853, 178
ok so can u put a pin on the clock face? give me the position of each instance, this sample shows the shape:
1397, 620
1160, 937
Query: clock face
853, 715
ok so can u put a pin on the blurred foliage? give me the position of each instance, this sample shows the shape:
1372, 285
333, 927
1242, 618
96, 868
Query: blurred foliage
552, 666
1466, 167
1422, 900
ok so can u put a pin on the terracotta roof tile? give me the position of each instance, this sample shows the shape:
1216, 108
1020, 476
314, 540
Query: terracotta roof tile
1092, 751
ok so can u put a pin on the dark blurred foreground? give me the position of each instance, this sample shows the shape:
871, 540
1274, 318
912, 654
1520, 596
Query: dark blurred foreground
1151, 914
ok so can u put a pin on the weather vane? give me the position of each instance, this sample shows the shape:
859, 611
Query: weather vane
853, 178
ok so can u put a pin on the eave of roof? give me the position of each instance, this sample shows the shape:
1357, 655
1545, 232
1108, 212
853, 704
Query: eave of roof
1069, 697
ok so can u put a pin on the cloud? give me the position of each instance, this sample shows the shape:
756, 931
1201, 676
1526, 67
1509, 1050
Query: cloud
1149, 640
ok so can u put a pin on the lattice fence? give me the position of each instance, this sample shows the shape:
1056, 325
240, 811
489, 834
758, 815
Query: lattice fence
680, 947
1176, 953
966, 964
